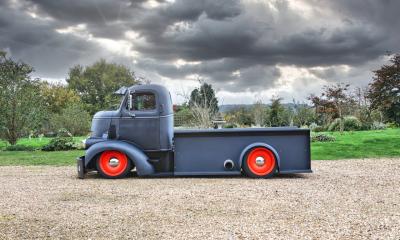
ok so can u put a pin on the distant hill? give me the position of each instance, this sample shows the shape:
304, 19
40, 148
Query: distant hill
228, 107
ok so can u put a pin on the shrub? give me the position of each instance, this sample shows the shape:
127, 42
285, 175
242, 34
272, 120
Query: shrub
184, 117
319, 129
378, 126
350, 123
316, 128
392, 125
60, 144
230, 125
20, 148
322, 137
73, 118
63, 133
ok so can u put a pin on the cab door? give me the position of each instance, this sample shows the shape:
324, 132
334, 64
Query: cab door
141, 124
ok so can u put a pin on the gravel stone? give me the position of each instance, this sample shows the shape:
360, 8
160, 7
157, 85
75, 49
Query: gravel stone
346, 199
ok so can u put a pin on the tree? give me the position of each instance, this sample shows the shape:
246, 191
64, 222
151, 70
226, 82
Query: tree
384, 91
303, 114
259, 113
73, 118
205, 98
334, 101
58, 96
204, 105
241, 116
96, 84
20, 100
275, 112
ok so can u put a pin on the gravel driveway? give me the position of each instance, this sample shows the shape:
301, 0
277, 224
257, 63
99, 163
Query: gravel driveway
345, 199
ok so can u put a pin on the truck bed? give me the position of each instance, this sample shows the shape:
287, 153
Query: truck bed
203, 152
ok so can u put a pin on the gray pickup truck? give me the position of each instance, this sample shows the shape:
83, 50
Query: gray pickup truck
140, 134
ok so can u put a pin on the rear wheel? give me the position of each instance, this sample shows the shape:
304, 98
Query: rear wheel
113, 164
259, 162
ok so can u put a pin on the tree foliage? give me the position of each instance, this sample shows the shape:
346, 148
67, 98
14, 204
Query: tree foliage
276, 112
96, 84
259, 113
241, 116
58, 96
303, 114
333, 103
73, 118
204, 97
20, 100
384, 91
203, 105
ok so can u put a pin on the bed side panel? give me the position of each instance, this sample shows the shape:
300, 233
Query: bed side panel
198, 153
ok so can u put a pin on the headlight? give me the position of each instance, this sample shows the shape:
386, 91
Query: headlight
83, 143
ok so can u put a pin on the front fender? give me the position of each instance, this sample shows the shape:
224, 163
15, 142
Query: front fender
143, 167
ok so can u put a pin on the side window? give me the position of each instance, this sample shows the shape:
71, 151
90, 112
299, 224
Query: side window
144, 101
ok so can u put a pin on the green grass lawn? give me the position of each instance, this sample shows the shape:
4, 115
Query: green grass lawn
61, 158
34, 142
362, 144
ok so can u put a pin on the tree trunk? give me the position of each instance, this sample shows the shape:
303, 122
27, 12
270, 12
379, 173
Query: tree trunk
13, 128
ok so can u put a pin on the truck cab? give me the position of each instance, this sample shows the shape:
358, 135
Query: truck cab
140, 135
144, 119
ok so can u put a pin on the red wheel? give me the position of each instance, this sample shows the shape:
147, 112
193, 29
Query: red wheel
259, 162
113, 164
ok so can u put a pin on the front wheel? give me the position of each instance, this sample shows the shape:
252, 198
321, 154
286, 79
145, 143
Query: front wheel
259, 162
113, 164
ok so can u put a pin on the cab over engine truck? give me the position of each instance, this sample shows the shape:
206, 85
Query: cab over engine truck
141, 135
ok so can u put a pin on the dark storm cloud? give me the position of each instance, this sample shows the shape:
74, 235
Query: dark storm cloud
225, 37
255, 37
37, 43
245, 36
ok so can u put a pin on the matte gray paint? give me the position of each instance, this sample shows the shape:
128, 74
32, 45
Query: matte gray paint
143, 167
190, 152
150, 130
199, 151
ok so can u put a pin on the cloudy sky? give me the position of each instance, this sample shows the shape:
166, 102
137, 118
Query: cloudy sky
248, 50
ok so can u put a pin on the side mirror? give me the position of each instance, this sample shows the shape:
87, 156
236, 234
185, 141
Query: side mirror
130, 99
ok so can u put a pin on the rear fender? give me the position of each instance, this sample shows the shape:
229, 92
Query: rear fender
259, 144
143, 167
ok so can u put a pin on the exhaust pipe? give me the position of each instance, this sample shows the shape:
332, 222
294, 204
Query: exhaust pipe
228, 164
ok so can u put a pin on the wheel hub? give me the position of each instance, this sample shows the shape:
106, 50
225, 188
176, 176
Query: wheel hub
113, 162
260, 161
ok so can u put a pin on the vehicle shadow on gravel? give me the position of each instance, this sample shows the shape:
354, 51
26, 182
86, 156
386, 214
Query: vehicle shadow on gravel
95, 175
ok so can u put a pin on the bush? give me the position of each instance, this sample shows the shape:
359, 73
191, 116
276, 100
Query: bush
378, 126
20, 148
322, 137
184, 117
316, 128
63, 133
230, 125
73, 118
392, 125
60, 144
313, 126
350, 123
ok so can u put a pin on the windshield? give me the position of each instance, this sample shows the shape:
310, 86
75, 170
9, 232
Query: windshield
114, 102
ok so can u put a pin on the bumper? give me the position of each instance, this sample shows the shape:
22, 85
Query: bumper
80, 162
